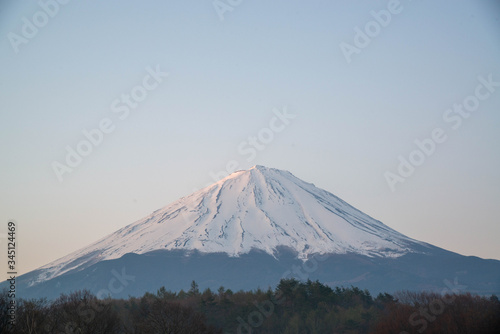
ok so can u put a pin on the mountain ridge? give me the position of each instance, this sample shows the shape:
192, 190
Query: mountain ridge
259, 208
249, 230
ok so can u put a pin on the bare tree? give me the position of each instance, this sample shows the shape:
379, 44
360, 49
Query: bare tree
165, 317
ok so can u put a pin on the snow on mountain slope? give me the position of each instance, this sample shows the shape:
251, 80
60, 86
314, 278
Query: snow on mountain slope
259, 208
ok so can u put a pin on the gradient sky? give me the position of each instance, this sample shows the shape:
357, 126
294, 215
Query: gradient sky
353, 120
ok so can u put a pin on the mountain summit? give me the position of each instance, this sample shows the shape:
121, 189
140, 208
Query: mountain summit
259, 208
248, 230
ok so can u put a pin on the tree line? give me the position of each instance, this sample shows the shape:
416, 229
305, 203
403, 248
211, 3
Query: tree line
293, 307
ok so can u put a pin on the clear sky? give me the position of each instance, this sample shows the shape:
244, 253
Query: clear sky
362, 86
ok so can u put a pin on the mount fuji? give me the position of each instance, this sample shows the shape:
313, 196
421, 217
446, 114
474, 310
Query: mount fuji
250, 229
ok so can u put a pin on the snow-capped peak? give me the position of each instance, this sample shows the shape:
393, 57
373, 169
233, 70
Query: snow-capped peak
259, 208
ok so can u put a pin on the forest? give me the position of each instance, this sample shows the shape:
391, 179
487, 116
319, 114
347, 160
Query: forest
292, 307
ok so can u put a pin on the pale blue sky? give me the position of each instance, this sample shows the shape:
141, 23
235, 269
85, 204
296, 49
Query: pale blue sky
352, 121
